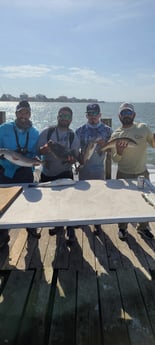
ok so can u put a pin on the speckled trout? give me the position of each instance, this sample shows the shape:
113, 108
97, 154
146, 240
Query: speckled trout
91, 147
19, 159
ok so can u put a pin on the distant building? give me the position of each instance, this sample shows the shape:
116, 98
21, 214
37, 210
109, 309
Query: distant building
24, 96
41, 98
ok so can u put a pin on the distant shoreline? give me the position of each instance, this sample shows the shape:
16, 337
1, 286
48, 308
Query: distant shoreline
43, 98
52, 101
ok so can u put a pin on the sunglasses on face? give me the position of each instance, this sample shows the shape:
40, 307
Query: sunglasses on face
126, 112
93, 113
65, 116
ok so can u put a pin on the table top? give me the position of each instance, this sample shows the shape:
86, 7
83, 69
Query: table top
81, 203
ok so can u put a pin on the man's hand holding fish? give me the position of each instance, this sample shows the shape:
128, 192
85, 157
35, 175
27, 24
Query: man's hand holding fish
44, 149
120, 146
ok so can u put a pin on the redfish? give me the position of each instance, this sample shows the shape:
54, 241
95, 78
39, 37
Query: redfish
124, 140
19, 159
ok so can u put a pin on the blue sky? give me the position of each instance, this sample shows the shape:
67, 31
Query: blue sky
102, 49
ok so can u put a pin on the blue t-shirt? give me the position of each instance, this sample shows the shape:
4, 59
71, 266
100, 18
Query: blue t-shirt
8, 140
94, 167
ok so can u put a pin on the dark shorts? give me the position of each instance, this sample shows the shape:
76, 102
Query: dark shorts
22, 175
65, 174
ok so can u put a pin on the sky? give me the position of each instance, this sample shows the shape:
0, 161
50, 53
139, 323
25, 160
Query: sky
102, 49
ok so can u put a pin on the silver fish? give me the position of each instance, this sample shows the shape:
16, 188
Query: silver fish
89, 151
112, 143
60, 152
19, 159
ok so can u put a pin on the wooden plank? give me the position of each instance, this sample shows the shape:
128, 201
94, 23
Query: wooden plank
2, 117
60, 251
38, 255
139, 328
88, 248
147, 288
34, 322
49, 257
24, 261
113, 252
88, 319
7, 196
4, 257
101, 259
114, 329
138, 249
148, 248
13, 300
63, 318
76, 251
16, 250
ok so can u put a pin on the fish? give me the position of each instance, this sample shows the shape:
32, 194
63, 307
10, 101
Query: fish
60, 152
19, 159
110, 144
91, 147
54, 183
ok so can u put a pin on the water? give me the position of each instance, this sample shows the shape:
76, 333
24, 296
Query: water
45, 114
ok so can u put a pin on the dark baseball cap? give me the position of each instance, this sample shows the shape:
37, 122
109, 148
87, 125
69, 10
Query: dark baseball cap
23, 105
93, 108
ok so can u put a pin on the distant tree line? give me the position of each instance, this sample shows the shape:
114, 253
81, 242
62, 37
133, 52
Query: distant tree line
42, 98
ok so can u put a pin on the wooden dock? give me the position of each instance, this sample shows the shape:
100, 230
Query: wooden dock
100, 290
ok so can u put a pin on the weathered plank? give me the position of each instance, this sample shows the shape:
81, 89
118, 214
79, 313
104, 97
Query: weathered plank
2, 117
61, 260
88, 329
63, 319
88, 248
13, 300
76, 252
5, 251
101, 259
114, 329
15, 250
113, 252
7, 196
38, 255
50, 254
34, 320
147, 288
140, 331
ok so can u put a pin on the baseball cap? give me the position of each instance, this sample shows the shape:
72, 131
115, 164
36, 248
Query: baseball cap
23, 105
93, 108
124, 106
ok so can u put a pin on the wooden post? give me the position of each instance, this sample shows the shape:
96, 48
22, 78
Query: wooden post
108, 162
2, 117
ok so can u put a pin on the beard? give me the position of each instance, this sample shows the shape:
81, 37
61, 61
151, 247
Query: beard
63, 124
23, 124
127, 121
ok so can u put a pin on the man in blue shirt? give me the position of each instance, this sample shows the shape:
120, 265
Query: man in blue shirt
20, 136
93, 130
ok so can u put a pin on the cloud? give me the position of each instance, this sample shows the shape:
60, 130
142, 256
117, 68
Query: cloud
24, 71
76, 75
71, 74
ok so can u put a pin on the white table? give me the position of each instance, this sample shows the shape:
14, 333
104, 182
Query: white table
85, 202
